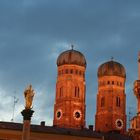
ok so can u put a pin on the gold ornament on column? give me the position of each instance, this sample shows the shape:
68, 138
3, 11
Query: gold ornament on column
29, 94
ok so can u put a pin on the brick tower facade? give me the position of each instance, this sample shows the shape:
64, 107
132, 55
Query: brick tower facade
111, 98
69, 107
137, 94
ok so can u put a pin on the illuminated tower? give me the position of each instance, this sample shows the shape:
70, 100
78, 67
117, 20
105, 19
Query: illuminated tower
69, 107
137, 94
111, 98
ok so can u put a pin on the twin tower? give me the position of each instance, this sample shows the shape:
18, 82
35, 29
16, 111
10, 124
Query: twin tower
70, 107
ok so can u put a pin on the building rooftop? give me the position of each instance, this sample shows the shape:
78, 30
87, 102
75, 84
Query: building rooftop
71, 57
111, 68
62, 131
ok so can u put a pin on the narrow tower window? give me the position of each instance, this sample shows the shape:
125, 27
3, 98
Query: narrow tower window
77, 92
71, 71
61, 91
118, 102
102, 101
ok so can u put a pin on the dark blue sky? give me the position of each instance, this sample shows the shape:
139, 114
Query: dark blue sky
34, 32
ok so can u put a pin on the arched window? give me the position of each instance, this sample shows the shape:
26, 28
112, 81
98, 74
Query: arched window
118, 102
61, 91
112, 82
77, 92
102, 101
71, 71
108, 82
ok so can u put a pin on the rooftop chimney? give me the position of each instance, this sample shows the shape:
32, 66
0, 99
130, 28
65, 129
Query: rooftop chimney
90, 127
42, 123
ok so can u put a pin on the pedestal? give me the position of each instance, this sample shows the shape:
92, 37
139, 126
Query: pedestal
27, 114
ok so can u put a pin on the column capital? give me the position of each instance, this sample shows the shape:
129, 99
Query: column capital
27, 114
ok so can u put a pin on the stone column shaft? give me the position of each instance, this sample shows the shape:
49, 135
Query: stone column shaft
26, 130
27, 114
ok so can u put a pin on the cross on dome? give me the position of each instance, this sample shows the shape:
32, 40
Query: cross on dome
72, 46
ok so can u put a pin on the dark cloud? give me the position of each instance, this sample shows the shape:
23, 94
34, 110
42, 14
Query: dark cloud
33, 33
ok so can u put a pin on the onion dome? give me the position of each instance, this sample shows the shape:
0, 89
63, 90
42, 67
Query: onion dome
111, 68
71, 57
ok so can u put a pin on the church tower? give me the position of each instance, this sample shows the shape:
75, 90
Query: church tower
69, 107
137, 94
111, 98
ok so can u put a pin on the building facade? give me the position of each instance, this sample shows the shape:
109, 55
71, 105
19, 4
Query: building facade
111, 98
13, 131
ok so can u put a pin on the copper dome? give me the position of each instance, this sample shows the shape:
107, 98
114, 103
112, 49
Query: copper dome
111, 68
71, 57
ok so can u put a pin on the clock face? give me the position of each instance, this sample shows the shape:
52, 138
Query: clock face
58, 114
119, 124
77, 115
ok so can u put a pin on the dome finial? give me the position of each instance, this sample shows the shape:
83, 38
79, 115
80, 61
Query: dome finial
112, 58
72, 46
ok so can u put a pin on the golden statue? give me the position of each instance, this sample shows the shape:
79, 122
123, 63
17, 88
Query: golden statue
29, 94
